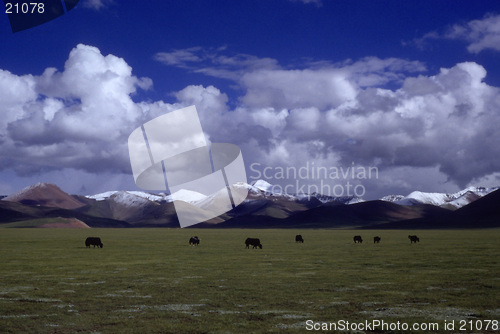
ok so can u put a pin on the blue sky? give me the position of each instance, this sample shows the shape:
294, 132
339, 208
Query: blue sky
409, 87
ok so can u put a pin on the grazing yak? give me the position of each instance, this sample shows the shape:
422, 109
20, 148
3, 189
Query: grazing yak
194, 241
357, 239
413, 239
93, 241
254, 242
298, 238
376, 240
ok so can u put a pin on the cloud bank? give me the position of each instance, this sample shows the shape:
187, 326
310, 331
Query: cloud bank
419, 129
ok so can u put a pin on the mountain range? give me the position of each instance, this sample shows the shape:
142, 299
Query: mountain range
46, 205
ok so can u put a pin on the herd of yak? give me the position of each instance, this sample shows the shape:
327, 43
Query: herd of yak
254, 242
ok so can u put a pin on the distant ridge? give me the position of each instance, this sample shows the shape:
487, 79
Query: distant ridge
482, 213
485, 207
45, 204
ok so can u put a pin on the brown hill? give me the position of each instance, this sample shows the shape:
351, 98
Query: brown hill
13, 212
65, 223
45, 194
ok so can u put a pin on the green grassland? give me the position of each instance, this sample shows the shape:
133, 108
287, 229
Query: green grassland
152, 281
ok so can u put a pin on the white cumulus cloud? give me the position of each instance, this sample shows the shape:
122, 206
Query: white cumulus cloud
425, 130
481, 34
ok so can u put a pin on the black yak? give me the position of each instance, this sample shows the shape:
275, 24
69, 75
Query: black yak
194, 241
93, 241
357, 239
413, 239
254, 242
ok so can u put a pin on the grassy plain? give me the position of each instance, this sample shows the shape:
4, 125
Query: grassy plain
152, 281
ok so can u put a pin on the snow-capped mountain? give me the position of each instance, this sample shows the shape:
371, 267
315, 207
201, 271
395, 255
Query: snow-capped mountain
262, 199
392, 198
452, 200
341, 199
184, 195
261, 189
265, 189
263, 185
129, 198
106, 195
